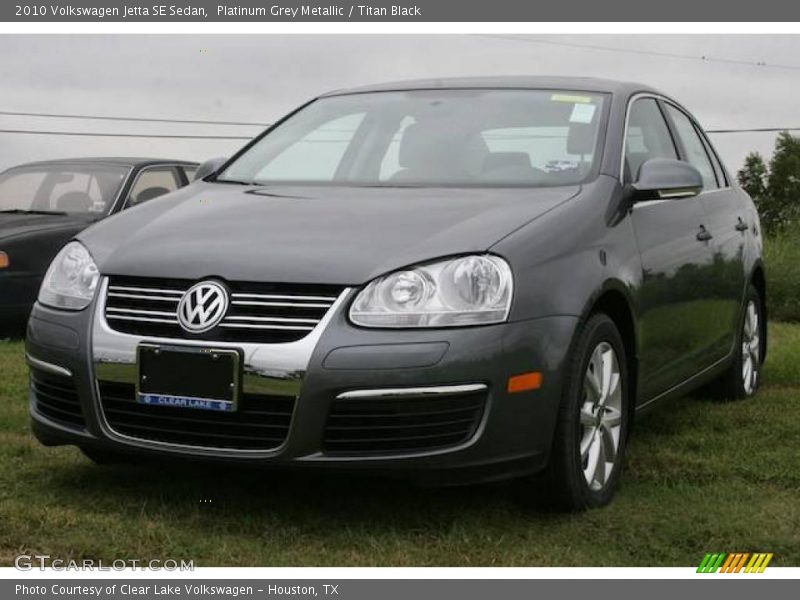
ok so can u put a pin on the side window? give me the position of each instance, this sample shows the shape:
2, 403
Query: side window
152, 183
695, 150
647, 136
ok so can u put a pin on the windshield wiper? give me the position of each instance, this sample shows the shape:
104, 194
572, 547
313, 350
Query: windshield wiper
22, 211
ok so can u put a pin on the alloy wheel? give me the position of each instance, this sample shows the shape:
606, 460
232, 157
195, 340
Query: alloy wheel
601, 416
751, 348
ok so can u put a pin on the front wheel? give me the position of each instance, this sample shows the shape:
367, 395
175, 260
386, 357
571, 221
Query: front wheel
592, 426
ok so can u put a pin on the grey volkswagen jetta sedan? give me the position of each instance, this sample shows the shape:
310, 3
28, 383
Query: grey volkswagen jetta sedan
454, 280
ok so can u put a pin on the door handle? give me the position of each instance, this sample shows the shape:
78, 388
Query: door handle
742, 226
704, 234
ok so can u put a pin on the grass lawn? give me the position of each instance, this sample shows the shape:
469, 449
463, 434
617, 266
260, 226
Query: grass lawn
700, 476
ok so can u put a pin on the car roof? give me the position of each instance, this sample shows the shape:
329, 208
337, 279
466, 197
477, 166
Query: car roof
112, 160
585, 84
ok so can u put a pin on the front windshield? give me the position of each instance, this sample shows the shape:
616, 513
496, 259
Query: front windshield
88, 189
467, 137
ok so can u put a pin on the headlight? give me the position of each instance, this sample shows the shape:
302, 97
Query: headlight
71, 280
469, 290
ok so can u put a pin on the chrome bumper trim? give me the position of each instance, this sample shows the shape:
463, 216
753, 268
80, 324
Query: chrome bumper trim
47, 367
414, 392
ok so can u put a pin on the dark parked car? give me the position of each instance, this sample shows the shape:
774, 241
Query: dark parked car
43, 205
454, 280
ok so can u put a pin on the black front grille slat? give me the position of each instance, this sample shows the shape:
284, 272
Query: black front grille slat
395, 437
370, 426
171, 432
344, 414
56, 397
63, 416
260, 422
397, 447
257, 313
63, 388
179, 419
395, 427
70, 404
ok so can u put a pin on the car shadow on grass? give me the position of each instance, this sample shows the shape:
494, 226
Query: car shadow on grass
186, 492
225, 493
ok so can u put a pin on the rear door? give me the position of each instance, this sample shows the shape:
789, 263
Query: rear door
673, 302
725, 221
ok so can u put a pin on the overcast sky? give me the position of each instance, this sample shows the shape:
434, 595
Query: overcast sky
260, 77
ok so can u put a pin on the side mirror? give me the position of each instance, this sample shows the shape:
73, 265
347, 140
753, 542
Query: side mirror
666, 179
209, 168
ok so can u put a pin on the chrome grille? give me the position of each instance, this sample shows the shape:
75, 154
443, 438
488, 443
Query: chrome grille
258, 312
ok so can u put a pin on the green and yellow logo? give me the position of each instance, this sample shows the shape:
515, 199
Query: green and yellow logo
737, 562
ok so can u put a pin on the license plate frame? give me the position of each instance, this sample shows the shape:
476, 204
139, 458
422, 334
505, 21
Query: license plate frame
161, 367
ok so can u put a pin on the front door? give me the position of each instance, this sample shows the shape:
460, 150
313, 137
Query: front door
673, 302
676, 308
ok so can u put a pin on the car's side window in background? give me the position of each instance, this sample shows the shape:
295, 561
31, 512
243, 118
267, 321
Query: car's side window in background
647, 136
21, 189
695, 150
152, 183
190, 173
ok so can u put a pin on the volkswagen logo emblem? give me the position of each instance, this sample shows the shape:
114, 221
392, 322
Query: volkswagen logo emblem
202, 307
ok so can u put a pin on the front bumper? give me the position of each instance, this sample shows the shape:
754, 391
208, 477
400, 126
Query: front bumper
334, 363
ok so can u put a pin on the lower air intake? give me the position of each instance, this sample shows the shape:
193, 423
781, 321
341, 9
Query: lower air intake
402, 425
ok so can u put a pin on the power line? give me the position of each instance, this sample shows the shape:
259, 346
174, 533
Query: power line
241, 137
703, 58
755, 130
126, 135
262, 125
130, 119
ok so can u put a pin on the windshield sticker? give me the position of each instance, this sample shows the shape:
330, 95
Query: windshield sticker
571, 99
582, 113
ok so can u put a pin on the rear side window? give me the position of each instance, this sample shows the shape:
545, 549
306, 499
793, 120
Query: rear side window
647, 136
695, 150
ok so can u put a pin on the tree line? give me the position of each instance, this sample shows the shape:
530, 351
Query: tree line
775, 187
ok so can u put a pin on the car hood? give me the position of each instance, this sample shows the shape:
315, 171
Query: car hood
20, 224
341, 235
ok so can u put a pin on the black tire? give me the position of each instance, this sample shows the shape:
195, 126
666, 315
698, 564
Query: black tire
108, 457
731, 385
567, 487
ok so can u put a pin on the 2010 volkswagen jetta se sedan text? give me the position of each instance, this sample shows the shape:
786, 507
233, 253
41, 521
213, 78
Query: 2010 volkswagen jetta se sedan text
456, 280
